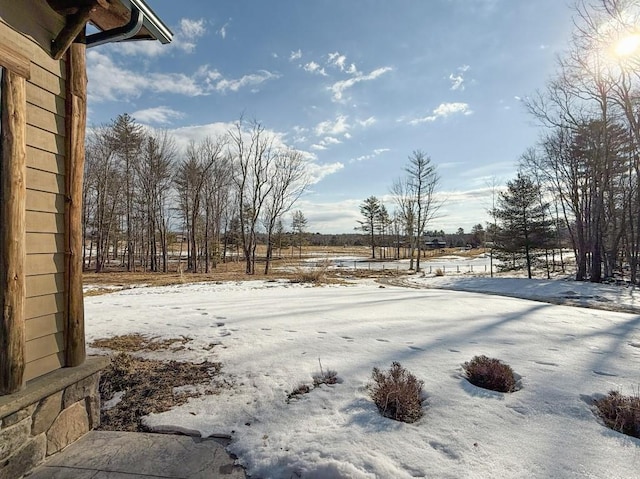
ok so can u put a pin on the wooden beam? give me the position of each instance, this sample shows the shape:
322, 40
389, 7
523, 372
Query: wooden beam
13, 195
75, 24
15, 61
69, 7
76, 117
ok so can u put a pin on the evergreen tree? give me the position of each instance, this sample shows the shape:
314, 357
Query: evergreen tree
370, 211
522, 220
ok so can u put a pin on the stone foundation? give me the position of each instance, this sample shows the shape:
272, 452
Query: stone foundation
50, 413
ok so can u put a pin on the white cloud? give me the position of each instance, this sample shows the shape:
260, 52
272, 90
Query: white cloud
329, 127
444, 110
457, 79
246, 80
457, 82
161, 115
192, 28
313, 67
297, 55
111, 81
339, 87
337, 60
184, 40
325, 143
222, 31
317, 172
373, 154
368, 122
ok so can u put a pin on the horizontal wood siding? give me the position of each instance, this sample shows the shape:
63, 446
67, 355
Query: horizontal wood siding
47, 325
43, 305
44, 365
45, 215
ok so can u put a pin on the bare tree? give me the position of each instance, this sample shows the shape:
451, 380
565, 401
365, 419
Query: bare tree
154, 173
422, 183
254, 156
288, 181
406, 208
190, 179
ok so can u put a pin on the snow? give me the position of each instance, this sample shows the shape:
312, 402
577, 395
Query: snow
270, 337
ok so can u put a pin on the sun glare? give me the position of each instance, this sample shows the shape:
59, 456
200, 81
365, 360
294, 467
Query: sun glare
627, 46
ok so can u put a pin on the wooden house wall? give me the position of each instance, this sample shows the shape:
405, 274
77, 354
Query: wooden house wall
45, 137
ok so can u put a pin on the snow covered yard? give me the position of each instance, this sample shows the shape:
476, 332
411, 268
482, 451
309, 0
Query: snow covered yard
270, 335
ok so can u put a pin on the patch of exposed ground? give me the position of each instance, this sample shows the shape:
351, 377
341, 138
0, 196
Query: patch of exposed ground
137, 342
133, 387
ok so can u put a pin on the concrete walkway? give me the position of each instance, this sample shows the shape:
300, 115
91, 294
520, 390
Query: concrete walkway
135, 455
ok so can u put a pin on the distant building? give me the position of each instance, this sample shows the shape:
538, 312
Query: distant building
434, 243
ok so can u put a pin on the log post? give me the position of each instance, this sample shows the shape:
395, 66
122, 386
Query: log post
76, 121
13, 196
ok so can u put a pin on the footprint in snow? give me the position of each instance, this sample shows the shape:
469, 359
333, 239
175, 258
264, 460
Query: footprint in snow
204, 314
416, 348
383, 340
348, 338
444, 449
605, 373
265, 329
291, 331
454, 350
321, 332
634, 344
545, 363
219, 324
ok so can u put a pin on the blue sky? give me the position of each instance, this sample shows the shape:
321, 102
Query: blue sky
357, 85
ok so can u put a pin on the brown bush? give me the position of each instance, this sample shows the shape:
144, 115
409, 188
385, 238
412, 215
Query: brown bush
439, 272
397, 393
490, 373
620, 413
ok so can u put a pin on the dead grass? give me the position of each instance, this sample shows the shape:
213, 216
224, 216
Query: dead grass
149, 387
137, 342
490, 373
397, 393
620, 413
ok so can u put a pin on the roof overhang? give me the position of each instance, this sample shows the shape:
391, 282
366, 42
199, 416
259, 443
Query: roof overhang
117, 20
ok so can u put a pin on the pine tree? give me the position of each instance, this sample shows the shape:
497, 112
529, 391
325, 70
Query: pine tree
370, 211
522, 219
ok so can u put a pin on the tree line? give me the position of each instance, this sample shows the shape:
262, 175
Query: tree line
220, 191
583, 175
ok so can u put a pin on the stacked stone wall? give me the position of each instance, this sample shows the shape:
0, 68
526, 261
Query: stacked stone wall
42, 421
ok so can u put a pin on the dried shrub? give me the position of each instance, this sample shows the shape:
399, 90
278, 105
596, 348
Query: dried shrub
297, 392
490, 373
397, 393
148, 387
316, 274
324, 377
620, 413
439, 272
